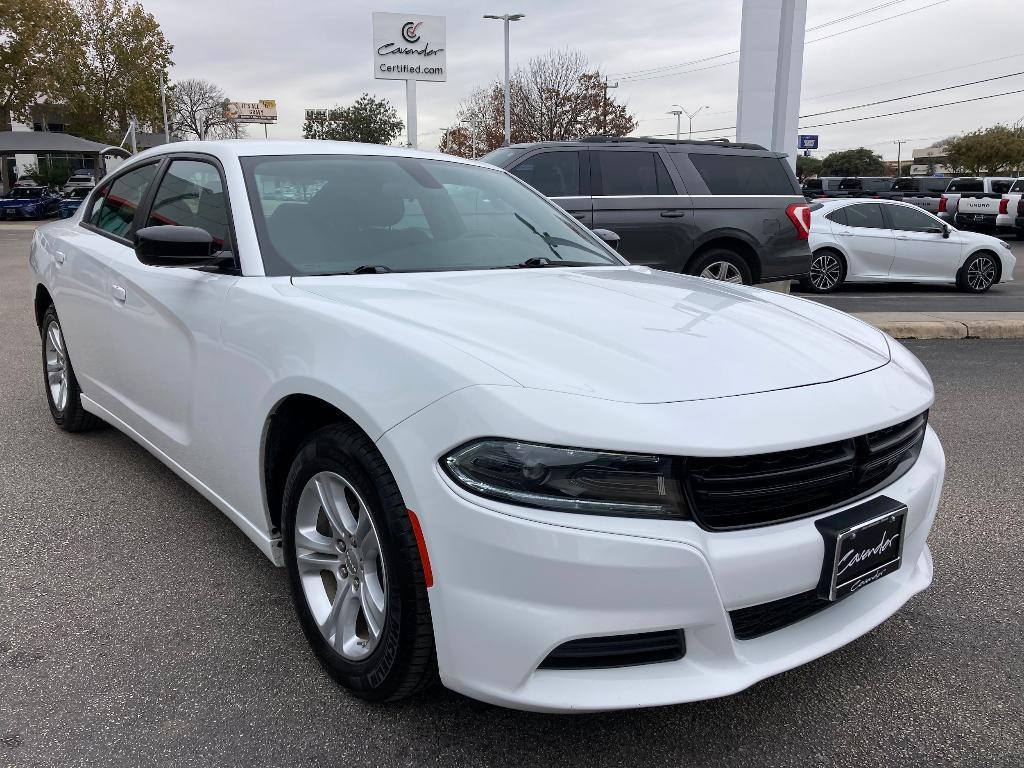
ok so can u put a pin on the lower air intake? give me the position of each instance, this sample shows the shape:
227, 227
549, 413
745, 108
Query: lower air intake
618, 651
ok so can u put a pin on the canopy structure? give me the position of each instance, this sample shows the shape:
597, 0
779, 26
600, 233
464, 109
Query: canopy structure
45, 144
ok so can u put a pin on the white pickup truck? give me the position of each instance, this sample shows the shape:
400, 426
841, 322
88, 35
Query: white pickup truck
1010, 219
971, 202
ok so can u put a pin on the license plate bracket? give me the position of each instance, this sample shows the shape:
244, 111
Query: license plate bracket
862, 544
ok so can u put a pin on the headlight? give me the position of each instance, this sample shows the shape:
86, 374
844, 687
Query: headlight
568, 479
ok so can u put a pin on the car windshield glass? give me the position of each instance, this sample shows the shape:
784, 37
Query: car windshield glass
905, 185
25, 194
337, 214
850, 183
966, 185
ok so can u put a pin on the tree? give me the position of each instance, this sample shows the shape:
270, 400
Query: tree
197, 110
988, 151
53, 174
554, 98
369, 120
853, 162
807, 166
115, 74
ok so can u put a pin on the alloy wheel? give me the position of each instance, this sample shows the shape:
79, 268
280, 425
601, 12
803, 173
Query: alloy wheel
981, 273
340, 565
56, 366
723, 271
826, 271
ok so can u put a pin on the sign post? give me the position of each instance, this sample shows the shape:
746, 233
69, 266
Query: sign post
409, 47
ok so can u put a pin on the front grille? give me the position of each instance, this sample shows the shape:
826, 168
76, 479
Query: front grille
757, 620
748, 491
618, 651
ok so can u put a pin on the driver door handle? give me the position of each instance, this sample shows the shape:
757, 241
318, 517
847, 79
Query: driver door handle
119, 293
672, 214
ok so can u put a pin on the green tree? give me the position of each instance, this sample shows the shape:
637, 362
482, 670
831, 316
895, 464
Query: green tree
370, 120
988, 151
115, 74
54, 174
853, 162
807, 166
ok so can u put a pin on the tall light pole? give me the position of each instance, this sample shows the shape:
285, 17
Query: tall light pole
507, 17
690, 115
678, 113
899, 150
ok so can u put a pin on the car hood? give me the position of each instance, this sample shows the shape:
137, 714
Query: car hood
630, 334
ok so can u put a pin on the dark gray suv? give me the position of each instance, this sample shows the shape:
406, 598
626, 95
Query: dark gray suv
715, 209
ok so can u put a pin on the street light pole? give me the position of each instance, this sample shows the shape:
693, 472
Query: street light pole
507, 17
163, 103
690, 115
678, 113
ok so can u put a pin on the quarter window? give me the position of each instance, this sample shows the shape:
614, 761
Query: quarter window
191, 195
743, 174
114, 211
555, 174
865, 216
633, 173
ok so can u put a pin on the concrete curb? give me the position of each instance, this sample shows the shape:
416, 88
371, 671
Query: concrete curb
947, 325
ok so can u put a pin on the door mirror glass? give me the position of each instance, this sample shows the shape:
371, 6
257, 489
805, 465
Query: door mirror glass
610, 238
945, 230
170, 246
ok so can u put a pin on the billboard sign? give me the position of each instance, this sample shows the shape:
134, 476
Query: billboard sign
808, 141
262, 111
409, 47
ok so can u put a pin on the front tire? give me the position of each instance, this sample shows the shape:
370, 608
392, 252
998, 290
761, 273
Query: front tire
723, 265
978, 274
354, 568
63, 394
828, 271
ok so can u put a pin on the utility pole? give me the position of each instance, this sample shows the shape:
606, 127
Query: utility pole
604, 104
163, 103
899, 154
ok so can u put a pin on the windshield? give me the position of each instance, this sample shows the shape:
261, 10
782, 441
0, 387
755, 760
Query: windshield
79, 194
336, 214
25, 193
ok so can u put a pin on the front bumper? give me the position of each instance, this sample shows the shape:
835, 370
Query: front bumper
513, 584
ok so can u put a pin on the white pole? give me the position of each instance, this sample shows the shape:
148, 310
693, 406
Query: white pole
508, 96
133, 127
410, 111
679, 117
163, 103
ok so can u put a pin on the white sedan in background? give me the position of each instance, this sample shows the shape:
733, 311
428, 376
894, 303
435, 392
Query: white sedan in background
870, 241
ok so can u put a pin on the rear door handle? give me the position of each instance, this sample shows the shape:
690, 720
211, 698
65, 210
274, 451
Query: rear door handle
579, 216
672, 214
119, 293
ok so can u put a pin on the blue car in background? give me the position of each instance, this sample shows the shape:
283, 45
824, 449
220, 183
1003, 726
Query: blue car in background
29, 203
72, 201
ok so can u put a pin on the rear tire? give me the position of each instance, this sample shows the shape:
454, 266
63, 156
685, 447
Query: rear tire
63, 394
979, 273
354, 568
721, 264
828, 271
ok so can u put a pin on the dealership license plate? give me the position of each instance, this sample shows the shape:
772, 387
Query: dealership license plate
862, 545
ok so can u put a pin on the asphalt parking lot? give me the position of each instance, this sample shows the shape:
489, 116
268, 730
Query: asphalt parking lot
895, 297
139, 627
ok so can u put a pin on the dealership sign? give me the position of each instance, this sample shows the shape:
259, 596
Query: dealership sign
263, 111
409, 47
808, 141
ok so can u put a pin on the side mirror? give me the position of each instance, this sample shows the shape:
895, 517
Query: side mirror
945, 230
610, 238
167, 246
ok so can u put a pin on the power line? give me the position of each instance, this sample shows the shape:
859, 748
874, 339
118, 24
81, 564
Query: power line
877, 21
911, 95
855, 15
916, 109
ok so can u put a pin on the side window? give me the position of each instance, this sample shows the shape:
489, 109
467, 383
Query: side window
191, 195
633, 173
115, 213
838, 216
865, 216
553, 174
743, 174
910, 219
1001, 187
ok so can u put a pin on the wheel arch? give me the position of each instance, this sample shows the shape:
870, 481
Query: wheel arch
730, 241
995, 257
42, 301
292, 418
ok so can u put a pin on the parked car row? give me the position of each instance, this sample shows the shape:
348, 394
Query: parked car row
716, 209
29, 200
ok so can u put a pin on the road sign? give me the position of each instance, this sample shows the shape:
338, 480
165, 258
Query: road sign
808, 141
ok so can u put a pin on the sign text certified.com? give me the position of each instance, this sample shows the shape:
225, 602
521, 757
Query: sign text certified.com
409, 47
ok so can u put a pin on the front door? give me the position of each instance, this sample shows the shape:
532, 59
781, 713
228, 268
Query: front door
635, 197
560, 174
922, 253
166, 320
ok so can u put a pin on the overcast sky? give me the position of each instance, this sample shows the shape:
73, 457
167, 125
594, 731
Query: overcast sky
316, 53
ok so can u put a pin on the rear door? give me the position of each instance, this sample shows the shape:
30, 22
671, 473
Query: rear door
562, 175
864, 233
637, 198
921, 251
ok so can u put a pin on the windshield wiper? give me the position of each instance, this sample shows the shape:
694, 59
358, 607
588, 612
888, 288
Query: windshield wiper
553, 242
536, 262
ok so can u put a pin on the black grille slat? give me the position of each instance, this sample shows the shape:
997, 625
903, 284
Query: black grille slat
763, 489
618, 651
758, 620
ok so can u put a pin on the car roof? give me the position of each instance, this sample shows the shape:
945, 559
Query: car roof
840, 202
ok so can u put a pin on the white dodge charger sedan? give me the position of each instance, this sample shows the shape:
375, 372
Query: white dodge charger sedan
860, 240
483, 447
